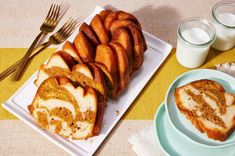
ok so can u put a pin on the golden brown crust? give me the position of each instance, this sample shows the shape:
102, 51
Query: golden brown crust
138, 47
123, 66
89, 33
138, 41
211, 133
67, 58
202, 82
122, 15
122, 36
69, 48
98, 77
100, 30
110, 19
106, 56
127, 16
121, 23
111, 83
106, 73
104, 13
84, 47
126, 23
99, 115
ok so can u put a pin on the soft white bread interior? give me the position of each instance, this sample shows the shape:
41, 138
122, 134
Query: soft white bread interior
90, 75
64, 109
82, 68
56, 65
70, 49
208, 106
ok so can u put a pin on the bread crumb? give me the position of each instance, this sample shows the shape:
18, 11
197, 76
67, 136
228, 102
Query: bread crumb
117, 112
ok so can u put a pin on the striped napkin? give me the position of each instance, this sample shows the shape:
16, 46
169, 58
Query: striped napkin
144, 143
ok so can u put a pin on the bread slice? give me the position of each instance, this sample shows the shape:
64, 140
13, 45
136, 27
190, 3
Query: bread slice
127, 23
110, 82
84, 47
122, 36
64, 109
122, 15
106, 56
70, 49
55, 66
98, 78
100, 30
138, 41
207, 105
91, 76
89, 33
69, 60
123, 66
138, 47
110, 19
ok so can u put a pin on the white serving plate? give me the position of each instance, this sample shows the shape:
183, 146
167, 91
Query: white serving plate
157, 52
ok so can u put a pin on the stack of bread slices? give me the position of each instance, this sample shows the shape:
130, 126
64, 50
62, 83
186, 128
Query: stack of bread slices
74, 84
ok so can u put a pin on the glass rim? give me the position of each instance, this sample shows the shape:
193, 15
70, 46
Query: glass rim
204, 21
216, 6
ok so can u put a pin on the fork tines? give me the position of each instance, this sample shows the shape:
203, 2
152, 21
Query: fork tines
54, 12
63, 9
68, 28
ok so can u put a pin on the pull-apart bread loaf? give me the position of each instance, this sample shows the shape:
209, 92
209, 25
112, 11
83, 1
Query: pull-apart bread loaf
208, 106
98, 63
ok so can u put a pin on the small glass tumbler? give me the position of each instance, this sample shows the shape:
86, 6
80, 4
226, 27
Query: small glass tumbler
223, 19
195, 37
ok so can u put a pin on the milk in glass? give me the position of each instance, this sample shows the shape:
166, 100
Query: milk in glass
190, 56
195, 37
225, 36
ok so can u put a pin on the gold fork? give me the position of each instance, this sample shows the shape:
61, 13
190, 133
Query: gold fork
48, 26
59, 37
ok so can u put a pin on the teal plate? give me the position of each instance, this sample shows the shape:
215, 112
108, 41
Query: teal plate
181, 123
174, 144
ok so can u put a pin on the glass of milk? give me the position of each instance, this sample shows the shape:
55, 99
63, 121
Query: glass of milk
195, 37
223, 17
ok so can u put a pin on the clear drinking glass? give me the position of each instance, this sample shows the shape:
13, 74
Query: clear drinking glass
195, 37
223, 19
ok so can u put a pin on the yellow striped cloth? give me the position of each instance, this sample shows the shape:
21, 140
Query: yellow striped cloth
145, 104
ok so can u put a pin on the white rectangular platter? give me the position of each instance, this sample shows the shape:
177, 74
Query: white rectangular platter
157, 52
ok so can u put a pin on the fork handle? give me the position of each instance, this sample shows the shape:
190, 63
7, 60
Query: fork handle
25, 59
13, 67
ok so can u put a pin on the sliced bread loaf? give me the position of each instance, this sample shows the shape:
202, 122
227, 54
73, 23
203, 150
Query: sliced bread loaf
206, 104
